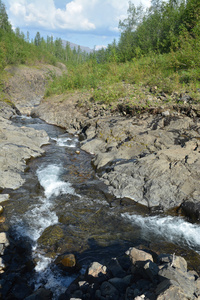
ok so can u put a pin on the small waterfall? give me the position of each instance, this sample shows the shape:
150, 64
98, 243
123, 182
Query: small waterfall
65, 141
49, 180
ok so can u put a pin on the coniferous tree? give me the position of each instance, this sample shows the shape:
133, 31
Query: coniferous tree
4, 23
37, 40
156, 29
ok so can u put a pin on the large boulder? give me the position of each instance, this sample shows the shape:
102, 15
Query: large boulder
139, 255
183, 279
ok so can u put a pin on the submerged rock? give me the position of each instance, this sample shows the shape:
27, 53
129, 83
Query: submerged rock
51, 235
68, 263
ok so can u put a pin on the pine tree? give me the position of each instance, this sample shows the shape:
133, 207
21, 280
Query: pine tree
37, 40
4, 23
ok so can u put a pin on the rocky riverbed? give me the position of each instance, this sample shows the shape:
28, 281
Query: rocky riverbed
151, 157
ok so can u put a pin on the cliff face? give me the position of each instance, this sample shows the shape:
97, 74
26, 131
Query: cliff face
25, 86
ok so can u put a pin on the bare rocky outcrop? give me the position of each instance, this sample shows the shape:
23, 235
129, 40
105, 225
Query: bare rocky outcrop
152, 159
26, 85
61, 110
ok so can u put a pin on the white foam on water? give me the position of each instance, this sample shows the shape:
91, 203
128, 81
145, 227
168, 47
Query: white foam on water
65, 142
40, 216
36, 220
25, 117
49, 180
43, 263
171, 229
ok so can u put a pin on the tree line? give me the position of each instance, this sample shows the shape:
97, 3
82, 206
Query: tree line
17, 48
159, 29
164, 27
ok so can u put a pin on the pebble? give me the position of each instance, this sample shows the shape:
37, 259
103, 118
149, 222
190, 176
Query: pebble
3, 238
2, 219
4, 197
165, 113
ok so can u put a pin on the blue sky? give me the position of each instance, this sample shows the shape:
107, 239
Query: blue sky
91, 23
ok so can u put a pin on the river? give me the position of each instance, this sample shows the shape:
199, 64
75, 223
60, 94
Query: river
64, 208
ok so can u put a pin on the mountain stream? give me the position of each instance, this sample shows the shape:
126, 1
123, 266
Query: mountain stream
64, 208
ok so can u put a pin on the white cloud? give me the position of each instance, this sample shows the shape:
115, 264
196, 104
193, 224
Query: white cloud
100, 47
44, 14
114, 29
76, 17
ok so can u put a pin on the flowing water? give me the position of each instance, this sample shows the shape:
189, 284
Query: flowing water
64, 208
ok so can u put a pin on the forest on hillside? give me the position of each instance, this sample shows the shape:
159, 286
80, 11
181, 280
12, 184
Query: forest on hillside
155, 43
16, 47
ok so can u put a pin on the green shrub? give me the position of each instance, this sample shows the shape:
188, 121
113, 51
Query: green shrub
109, 94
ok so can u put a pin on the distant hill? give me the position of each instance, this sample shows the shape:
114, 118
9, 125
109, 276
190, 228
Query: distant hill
72, 46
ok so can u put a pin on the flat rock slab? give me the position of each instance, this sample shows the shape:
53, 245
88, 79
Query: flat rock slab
17, 144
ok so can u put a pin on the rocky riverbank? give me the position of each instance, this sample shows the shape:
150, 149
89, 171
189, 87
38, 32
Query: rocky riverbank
24, 89
138, 274
17, 145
